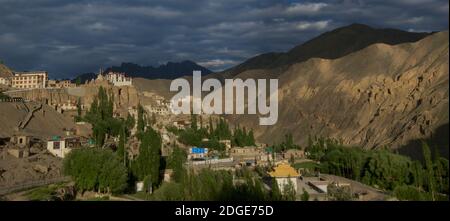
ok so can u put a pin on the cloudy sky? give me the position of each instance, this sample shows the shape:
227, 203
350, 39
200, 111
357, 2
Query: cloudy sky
66, 37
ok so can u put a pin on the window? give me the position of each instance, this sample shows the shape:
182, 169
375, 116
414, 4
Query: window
56, 145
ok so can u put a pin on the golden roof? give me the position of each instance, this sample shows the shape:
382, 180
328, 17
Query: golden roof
284, 170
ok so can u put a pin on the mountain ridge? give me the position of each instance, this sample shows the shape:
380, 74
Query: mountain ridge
329, 45
170, 70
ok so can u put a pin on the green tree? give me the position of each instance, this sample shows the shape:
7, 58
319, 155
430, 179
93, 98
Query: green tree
96, 169
176, 162
405, 192
430, 170
153, 121
305, 195
147, 164
289, 193
337, 193
130, 122
78, 117
140, 120
121, 150
251, 138
194, 122
78, 81
100, 115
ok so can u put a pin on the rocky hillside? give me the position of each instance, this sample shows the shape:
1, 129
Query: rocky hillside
5, 71
379, 96
124, 97
45, 123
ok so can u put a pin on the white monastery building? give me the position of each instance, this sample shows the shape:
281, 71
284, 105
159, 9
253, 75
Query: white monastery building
118, 79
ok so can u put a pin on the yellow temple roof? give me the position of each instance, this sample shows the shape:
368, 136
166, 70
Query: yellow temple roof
284, 170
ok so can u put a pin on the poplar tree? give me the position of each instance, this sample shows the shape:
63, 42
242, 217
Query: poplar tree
429, 168
147, 164
140, 120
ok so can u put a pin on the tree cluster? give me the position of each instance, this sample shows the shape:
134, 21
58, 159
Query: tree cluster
96, 170
216, 131
384, 169
100, 115
148, 163
286, 144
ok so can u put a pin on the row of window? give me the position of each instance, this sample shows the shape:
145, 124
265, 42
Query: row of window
24, 82
28, 77
26, 86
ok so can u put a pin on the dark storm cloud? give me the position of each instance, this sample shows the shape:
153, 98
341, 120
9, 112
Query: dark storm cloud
68, 37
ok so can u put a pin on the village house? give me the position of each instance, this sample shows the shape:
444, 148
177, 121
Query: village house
182, 124
157, 109
18, 145
83, 129
264, 159
294, 153
21, 140
61, 146
69, 105
227, 144
167, 175
245, 151
285, 174
65, 84
60, 84
51, 83
197, 153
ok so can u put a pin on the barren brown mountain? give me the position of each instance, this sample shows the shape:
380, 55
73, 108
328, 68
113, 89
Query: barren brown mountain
4, 71
380, 96
330, 45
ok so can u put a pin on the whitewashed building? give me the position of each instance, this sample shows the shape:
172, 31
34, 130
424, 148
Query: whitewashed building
157, 109
60, 147
118, 79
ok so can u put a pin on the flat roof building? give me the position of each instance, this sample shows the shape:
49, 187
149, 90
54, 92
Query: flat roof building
32, 79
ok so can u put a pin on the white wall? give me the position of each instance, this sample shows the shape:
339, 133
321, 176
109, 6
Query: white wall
61, 152
283, 181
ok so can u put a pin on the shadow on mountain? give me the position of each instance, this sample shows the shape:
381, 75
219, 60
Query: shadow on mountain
438, 141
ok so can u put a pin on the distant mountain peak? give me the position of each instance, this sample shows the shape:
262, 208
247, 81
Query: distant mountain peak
329, 45
357, 26
169, 70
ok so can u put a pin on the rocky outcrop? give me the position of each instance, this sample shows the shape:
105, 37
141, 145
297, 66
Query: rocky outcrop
47, 96
124, 97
